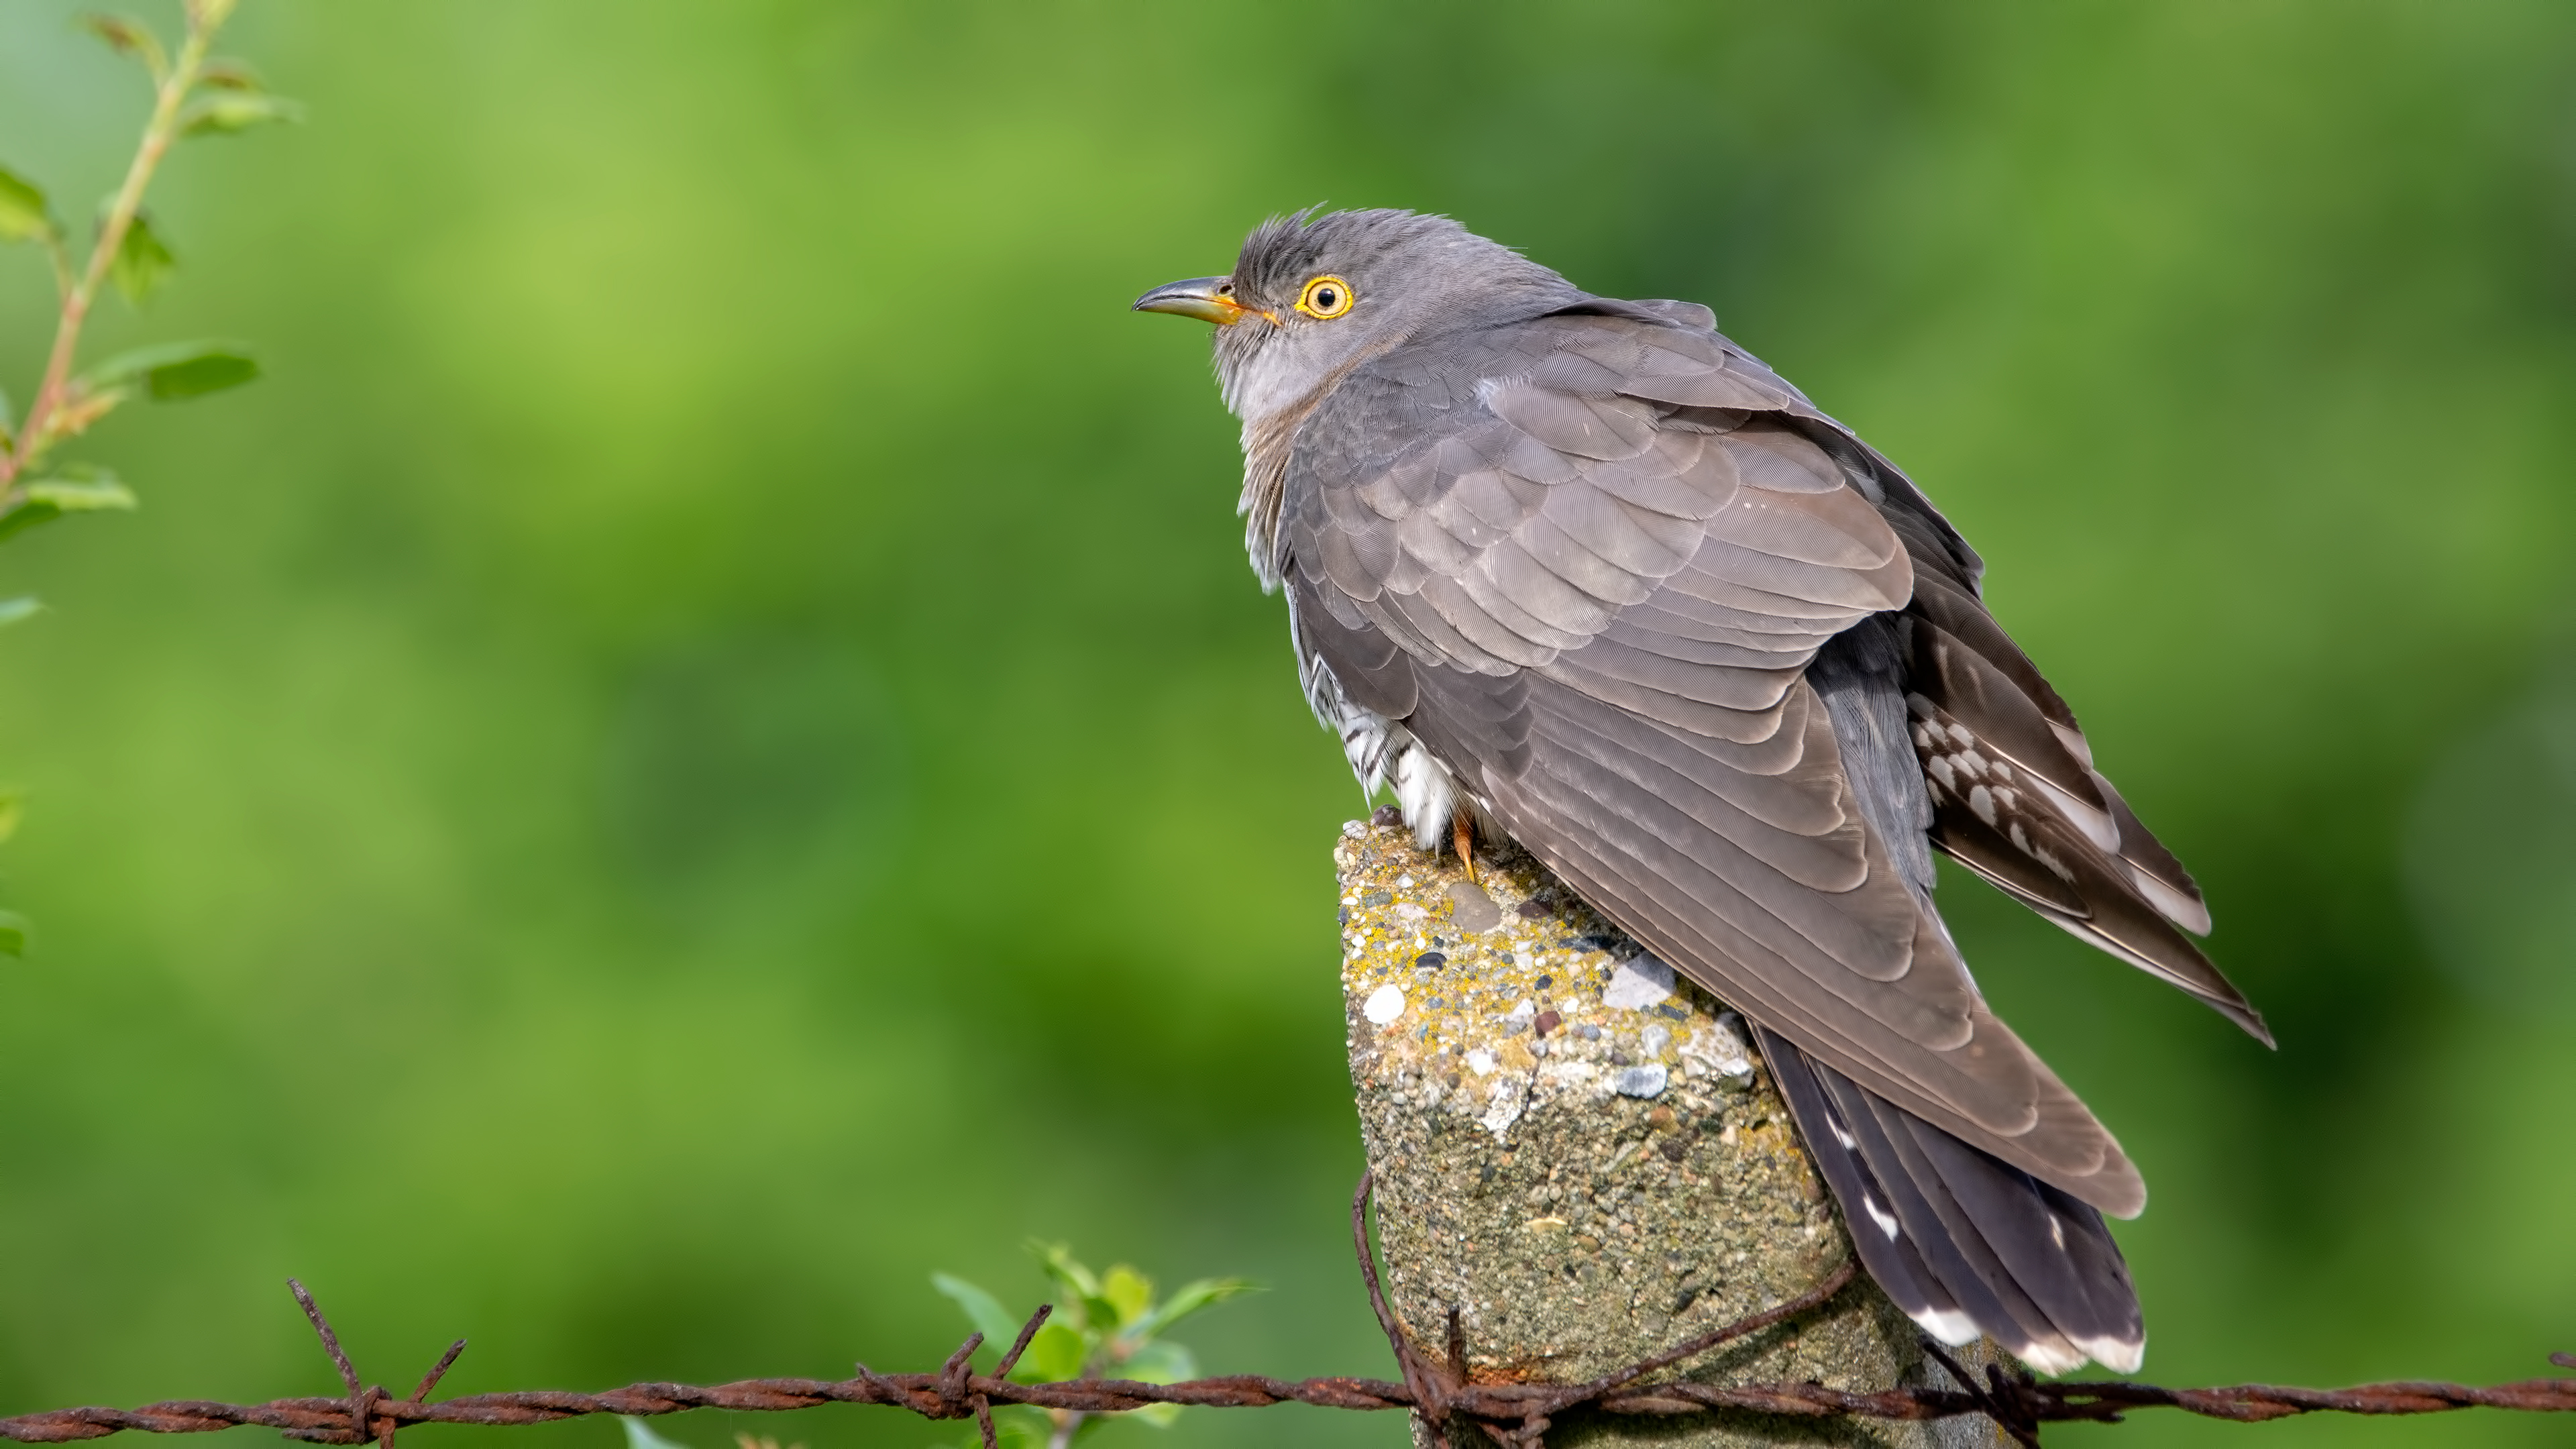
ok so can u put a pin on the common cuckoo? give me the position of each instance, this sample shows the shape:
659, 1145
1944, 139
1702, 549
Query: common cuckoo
1584, 573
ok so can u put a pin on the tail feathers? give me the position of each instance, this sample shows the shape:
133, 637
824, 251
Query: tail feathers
1963, 1243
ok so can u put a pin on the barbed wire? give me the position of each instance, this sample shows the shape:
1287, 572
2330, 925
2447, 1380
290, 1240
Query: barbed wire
1516, 1415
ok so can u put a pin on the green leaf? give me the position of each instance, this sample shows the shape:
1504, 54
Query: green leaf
89, 494
1128, 1292
13, 933
982, 1309
80, 489
176, 370
227, 112
13, 809
1189, 1299
227, 74
142, 263
16, 610
1159, 1363
1076, 1280
24, 214
127, 36
640, 1435
1057, 1353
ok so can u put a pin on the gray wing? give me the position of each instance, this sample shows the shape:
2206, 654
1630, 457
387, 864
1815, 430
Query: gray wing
1587, 559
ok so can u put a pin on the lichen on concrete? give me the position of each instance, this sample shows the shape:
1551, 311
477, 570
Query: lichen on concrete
1583, 1156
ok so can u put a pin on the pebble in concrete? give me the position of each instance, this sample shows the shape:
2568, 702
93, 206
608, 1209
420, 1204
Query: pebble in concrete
1384, 1005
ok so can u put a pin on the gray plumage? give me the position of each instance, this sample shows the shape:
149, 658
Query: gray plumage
1860, 675
1587, 570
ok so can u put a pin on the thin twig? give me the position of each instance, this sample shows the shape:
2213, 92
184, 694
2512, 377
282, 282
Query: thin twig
171, 92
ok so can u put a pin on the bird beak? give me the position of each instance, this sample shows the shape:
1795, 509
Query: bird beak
1206, 298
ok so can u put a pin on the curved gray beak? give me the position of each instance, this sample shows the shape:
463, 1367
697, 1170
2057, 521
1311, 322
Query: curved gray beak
1208, 299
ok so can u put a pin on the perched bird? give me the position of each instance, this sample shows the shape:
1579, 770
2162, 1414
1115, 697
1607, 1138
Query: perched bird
1584, 573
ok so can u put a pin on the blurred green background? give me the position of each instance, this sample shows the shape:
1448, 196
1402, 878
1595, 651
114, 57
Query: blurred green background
703, 745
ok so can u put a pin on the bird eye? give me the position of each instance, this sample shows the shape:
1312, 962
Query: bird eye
1325, 298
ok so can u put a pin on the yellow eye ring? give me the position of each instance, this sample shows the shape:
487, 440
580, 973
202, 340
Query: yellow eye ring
1325, 298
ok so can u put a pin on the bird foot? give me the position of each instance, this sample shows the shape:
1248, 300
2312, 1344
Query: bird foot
1462, 834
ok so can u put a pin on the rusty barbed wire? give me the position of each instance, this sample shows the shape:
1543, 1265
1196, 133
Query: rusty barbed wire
1509, 1414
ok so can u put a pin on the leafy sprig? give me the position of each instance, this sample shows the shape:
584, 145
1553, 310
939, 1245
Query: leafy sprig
194, 94
1106, 1326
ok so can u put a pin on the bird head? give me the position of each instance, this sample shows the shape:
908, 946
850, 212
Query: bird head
1311, 296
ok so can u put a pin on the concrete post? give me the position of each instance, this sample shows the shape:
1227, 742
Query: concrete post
1585, 1157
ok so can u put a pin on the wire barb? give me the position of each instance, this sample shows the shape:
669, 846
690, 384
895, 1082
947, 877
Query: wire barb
437, 1371
361, 1400
954, 1375
1989, 1397
330, 1340
1020, 1345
